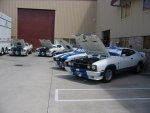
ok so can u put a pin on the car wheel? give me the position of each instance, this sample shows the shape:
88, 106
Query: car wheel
2, 51
108, 75
30, 52
54, 53
6, 50
138, 68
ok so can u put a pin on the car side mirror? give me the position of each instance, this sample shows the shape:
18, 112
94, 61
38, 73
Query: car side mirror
123, 55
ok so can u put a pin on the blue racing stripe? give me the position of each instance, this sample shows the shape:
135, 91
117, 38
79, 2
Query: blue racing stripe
82, 72
68, 55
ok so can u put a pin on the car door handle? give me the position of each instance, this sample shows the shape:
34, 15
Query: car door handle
131, 58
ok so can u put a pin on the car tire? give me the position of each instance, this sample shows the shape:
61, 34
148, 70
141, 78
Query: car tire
2, 52
6, 50
30, 52
138, 68
108, 75
53, 54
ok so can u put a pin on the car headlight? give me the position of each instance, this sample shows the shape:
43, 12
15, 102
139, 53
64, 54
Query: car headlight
88, 67
24, 50
56, 58
70, 64
66, 63
94, 67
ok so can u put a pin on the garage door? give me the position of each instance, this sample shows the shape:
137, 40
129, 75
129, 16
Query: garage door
34, 24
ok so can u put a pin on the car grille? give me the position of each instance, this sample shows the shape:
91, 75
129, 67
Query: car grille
80, 65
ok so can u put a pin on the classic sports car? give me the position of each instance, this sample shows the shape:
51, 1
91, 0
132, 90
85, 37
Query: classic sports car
66, 45
48, 49
20, 47
102, 63
61, 58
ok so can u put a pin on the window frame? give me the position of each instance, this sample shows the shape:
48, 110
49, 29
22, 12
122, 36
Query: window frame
125, 9
144, 8
128, 52
145, 41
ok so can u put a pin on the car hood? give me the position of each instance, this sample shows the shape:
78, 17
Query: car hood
92, 45
46, 43
16, 41
65, 44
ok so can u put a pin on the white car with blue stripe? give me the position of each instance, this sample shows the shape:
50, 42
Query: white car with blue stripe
61, 58
49, 49
20, 47
102, 63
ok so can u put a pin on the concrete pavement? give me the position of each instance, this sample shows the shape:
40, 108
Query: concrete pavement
33, 85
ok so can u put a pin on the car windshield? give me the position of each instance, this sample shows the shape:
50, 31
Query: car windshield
54, 46
19, 44
114, 51
114, 54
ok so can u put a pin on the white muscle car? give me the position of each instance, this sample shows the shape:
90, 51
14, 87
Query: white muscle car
20, 47
60, 59
102, 63
68, 47
48, 49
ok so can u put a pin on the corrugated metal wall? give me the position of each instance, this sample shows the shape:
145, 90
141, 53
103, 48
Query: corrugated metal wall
71, 16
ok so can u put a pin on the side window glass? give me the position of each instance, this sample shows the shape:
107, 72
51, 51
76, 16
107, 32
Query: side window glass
131, 52
59, 46
127, 52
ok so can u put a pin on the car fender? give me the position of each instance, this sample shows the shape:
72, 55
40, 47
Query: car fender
104, 63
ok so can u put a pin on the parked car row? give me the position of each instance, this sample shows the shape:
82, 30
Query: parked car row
21, 48
96, 62
92, 60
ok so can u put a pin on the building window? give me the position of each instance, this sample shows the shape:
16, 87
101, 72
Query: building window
125, 8
146, 42
124, 42
146, 5
125, 12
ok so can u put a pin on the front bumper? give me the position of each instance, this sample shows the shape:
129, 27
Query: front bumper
59, 64
93, 75
17, 53
43, 53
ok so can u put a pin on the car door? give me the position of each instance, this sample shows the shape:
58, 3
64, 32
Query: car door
127, 58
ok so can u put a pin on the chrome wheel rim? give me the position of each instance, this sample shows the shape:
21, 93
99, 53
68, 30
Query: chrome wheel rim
108, 74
